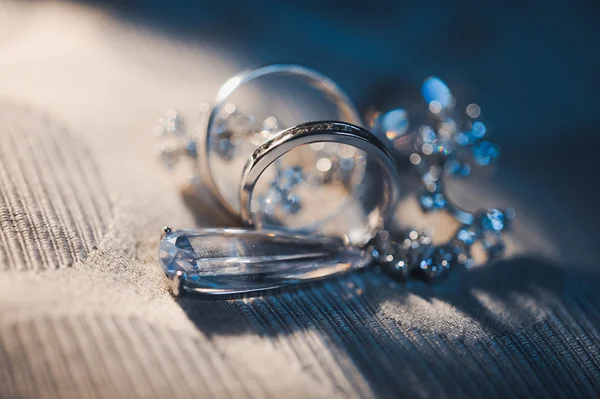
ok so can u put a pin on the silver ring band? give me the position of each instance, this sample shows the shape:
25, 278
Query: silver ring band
315, 132
347, 112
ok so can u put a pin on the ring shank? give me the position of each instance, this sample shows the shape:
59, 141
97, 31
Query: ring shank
314, 132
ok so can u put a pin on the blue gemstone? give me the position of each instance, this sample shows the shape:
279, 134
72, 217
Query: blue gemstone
291, 204
466, 236
493, 220
478, 129
290, 177
394, 123
458, 168
431, 202
434, 89
485, 152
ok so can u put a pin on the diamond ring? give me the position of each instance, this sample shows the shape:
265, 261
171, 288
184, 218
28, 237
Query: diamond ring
220, 262
316, 197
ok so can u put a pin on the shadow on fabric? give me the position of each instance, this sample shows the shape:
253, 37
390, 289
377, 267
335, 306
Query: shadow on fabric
490, 319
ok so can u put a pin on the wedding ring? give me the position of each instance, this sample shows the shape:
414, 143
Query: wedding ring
327, 132
345, 107
315, 197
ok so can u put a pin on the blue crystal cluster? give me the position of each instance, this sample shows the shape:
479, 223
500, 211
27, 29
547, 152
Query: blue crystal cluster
233, 130
447, 140
414, 254
280, 199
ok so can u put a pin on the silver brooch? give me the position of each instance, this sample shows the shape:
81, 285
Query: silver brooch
319, 198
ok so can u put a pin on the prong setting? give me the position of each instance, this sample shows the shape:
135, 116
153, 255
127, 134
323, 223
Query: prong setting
165, 232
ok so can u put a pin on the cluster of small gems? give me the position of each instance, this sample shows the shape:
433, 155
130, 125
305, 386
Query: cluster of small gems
280, 197
335, 163
447, 140
233, 128
175, 141
414, 254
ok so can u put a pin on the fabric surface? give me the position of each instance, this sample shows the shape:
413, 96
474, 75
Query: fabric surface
86, 312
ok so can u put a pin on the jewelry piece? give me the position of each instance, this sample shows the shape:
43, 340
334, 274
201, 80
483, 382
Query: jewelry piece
441, 144
322, 132
233, 261
227, 134
236, 261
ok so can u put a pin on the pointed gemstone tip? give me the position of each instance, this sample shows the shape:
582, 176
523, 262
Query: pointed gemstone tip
165, 232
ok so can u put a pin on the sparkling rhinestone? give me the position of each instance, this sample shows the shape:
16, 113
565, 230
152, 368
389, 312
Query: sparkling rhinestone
436, 263
191, 149
493, 220
493, 223
232, 129
173, 140
291, 204
427, 134
399, 268
434, 89
478, 130
175, 254
390, 255
225, 148
290, 177
466, 235
393, 124
461, 139
432, 202
493, 244
427, 202
416, 245
271, 201
241, 124
270, 123
270, 127
465, 260
394, 260
347, 164
485, 152
170, 124
458, 168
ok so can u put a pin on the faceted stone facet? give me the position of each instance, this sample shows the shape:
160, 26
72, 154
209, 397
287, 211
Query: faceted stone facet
238, 260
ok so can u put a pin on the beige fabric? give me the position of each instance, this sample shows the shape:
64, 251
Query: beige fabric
85, 311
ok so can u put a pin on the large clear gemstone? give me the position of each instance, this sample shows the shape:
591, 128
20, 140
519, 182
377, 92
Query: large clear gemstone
218, 261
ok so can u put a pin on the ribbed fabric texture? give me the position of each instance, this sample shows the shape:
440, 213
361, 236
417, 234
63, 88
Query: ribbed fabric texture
352, 337
85, 311
54, 208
